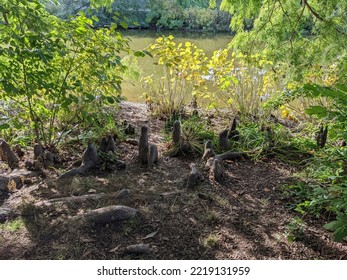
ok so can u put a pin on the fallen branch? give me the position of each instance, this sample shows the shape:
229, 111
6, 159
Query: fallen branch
69, 200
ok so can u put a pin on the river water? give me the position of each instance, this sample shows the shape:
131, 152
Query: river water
140, 39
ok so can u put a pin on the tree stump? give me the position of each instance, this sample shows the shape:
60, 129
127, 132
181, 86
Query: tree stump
208, 151
195, 177
38, 151
233, 134
6, 154
10, 183
111, 145
223, 140
109, 214
143, 145
89, 160
176, 132
152, 155
18, 150
217, 170
103, 145
90, 156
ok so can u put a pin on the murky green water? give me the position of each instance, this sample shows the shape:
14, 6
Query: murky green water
141, 39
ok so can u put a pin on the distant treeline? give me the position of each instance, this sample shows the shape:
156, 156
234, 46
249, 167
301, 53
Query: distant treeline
191, 15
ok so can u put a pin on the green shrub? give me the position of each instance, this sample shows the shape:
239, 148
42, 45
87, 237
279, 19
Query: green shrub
55, 73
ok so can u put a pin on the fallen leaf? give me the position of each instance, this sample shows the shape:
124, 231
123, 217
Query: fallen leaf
150, 235
114, 249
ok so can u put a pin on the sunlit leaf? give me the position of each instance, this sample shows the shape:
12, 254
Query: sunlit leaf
319, 111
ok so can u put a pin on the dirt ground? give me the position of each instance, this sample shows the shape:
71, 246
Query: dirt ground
246, 216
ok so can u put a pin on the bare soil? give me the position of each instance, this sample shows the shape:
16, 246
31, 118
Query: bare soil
246, 216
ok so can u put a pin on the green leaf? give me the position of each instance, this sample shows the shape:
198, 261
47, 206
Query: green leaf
95, 18
110, 99
339, 227
340, 233
139, 54
124, 24
81, 30
319, 111
333, 225
4, 126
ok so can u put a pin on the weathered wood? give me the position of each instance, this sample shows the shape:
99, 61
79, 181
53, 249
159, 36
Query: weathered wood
35, 165
18, 150
123, 193
109, 214
10, 183
233, 133
103, 145
143, 145
48, 156
82, 170
89, 160
195, 177
90, 156
233, 125
38, 151
217, 170
223, 140
231, 156
48, 159
208, 150
138, 249
111, 145
176, 132
69, 200
6, 154
152, 155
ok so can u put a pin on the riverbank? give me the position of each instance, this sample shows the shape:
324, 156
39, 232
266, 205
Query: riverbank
245, 216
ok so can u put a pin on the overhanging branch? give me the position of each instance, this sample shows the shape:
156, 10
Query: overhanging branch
312, 11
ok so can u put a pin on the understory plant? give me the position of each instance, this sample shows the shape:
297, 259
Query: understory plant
194, 133
182, 66
241, 82
55, 74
